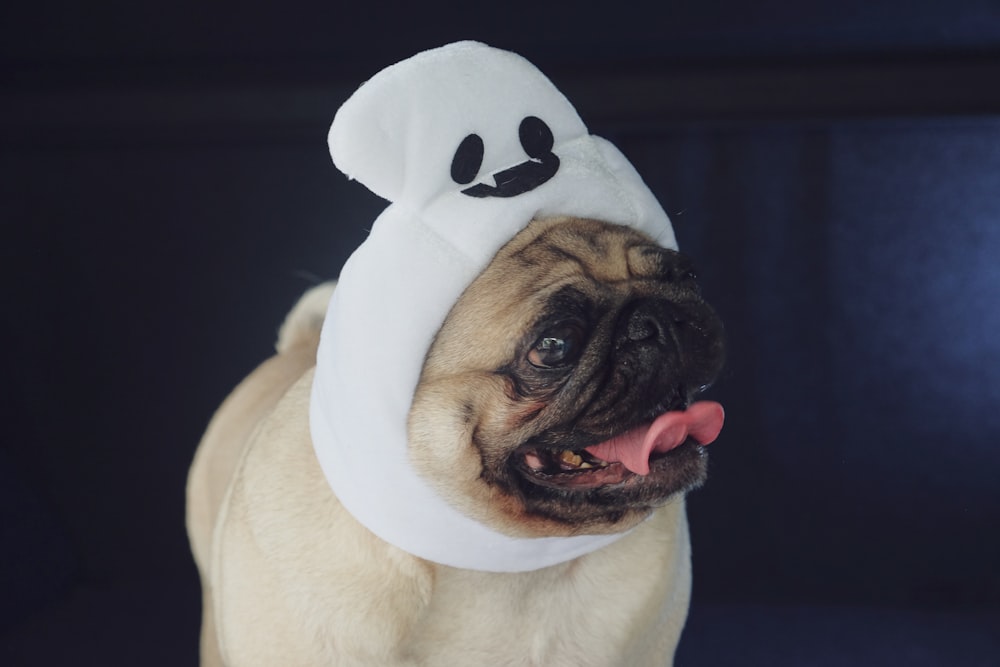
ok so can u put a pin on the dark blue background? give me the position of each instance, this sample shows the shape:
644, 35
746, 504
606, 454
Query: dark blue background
833, 168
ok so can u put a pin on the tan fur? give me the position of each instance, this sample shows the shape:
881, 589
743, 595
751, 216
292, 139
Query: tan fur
291, 579
605, 262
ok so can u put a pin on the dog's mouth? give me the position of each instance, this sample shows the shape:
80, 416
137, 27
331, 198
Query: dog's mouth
568, 469
648, 451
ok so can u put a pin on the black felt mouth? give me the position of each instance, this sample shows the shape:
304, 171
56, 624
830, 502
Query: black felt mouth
518, 179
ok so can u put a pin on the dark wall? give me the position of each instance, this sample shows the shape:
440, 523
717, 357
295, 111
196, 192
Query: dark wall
834, 169
854, 264
124, 33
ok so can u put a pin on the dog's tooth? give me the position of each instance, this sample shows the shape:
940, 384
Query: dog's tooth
533, 461
586, 465
570, 458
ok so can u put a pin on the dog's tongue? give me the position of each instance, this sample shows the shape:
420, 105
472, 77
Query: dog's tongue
702, 422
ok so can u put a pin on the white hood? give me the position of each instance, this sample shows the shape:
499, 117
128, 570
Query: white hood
399, 135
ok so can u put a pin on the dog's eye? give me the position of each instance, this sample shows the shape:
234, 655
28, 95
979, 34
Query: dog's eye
557, 348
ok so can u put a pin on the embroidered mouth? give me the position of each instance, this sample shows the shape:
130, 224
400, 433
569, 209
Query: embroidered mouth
644, 452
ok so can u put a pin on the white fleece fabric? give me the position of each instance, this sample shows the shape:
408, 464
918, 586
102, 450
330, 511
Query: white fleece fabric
468, 143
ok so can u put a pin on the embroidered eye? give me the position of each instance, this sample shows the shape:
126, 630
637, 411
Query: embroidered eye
558, 348
468, 159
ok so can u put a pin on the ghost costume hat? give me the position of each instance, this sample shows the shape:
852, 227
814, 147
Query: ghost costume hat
468, 143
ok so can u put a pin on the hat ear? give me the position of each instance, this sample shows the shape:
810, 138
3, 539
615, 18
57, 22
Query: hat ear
402, 131
365, 141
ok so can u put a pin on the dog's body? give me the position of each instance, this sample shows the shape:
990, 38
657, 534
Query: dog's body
291, 578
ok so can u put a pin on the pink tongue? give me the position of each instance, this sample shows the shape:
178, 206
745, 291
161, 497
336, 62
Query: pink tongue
702, 421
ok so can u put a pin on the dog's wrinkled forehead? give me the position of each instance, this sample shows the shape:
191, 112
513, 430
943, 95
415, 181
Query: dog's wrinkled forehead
471, 120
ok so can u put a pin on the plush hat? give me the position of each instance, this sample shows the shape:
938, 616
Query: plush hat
469, 144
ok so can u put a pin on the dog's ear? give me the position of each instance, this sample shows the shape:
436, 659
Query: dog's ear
445, 118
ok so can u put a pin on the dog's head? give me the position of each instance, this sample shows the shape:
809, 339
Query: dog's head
557, 397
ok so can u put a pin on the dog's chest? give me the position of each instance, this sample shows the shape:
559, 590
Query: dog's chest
527, 619
583, 614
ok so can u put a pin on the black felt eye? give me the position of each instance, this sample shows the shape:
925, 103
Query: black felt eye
558, 348
468, 159
536, 137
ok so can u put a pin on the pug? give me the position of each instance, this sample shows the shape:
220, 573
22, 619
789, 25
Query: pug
559, 399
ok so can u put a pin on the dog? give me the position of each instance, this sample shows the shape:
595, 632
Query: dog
557, 399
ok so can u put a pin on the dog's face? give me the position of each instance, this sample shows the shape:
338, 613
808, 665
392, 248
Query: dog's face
579, 335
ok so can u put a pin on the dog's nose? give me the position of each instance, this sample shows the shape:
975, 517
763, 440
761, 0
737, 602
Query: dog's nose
648, 321
641, 326
667, 349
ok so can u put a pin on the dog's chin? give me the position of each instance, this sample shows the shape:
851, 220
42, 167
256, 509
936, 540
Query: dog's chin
582, 493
